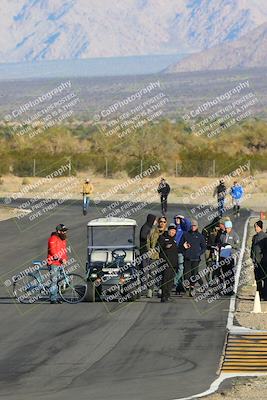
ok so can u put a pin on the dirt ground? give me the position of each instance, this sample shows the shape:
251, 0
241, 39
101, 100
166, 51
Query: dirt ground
184, 189
243, 389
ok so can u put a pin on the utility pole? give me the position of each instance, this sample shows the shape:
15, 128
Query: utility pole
70, 166
34, 167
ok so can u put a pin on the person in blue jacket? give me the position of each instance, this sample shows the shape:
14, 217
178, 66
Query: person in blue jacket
237, 193
182, 225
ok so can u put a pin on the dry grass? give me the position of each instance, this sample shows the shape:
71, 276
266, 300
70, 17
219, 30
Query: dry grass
181, 187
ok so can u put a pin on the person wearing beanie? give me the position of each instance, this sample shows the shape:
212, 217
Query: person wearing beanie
228, 225
182, 225
257, 256
194, 246
229, 245
169, 253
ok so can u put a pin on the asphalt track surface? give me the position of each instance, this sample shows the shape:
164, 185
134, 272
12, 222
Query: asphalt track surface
142, 351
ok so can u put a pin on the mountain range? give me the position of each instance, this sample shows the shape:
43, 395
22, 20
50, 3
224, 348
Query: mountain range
248, 52
33, 30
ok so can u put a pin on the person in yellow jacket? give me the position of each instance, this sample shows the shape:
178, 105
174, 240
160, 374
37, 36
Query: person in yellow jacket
87, 190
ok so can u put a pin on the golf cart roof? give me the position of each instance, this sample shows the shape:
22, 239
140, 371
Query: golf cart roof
112, 221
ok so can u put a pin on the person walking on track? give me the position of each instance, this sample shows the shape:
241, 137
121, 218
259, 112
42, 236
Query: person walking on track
87, 190
164, 191
237, 193
220, 191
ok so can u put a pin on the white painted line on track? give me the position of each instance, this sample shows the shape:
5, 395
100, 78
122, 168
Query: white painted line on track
230, 320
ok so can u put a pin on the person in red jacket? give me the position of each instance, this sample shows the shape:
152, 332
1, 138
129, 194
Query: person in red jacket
57, 255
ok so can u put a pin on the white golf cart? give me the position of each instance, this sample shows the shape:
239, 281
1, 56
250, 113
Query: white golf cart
111, 260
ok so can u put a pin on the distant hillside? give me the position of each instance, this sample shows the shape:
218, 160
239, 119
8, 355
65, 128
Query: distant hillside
249, 51
34, 30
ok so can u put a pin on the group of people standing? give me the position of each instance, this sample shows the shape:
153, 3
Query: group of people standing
181, 246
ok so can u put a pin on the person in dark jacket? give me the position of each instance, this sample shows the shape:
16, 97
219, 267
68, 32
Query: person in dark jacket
210, 233
257, 256
194, 246
220, 191
169, 253
144, 240
164, 190
182, 225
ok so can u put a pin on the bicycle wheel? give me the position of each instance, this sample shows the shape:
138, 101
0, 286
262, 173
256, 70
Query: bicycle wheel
27, 290
72, 289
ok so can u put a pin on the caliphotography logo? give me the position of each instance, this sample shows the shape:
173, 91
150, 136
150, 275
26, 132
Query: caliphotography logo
133, 233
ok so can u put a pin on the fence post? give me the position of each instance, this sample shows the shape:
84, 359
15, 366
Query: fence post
141, 167
34, 167
176, 168
70, 166
214, 168
106, 166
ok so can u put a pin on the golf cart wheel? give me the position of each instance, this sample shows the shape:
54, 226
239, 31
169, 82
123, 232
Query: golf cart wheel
90, 293
134, 294
73, 290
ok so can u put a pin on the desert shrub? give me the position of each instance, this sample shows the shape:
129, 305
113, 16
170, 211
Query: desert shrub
25, 181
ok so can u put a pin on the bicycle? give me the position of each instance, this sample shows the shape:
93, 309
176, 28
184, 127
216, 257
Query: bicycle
72, 287
86, 201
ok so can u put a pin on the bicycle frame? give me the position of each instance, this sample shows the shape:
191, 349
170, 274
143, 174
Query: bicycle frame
41, 279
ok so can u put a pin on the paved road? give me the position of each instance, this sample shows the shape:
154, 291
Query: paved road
144, 351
